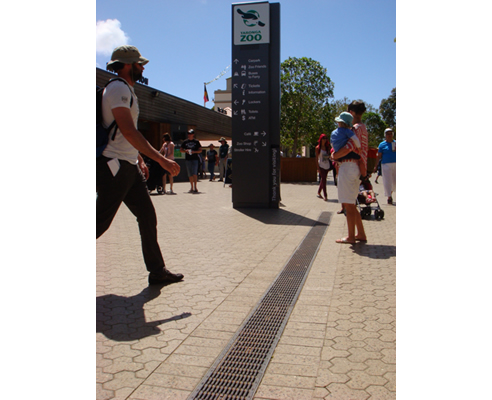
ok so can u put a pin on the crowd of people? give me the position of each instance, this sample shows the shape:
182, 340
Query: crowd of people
345, 152
122, 174
196, 160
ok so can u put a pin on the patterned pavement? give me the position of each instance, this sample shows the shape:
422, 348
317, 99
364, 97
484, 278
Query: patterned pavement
158, 343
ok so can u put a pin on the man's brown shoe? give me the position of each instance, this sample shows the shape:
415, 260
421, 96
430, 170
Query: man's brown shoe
164, 277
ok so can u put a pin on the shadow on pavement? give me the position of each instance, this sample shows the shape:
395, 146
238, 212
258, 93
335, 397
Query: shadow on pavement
376, 251
122, 318
276, 216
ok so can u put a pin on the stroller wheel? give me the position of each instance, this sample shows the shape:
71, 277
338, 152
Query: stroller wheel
381, 214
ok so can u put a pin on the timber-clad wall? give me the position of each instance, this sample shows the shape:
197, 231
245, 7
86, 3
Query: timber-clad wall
166, 113
298, 169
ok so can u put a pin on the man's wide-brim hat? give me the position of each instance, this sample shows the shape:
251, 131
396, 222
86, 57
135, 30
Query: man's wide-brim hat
126, 55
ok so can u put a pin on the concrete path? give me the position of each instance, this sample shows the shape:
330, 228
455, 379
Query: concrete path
158, 343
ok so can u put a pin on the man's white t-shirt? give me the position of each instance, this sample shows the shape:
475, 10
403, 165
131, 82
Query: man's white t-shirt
119, 94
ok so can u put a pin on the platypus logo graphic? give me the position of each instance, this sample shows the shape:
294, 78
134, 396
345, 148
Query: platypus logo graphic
250, 18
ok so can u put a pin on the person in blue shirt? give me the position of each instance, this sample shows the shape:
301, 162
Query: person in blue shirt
387, 155
340, 136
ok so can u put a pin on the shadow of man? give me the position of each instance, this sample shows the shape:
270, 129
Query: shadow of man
122, 318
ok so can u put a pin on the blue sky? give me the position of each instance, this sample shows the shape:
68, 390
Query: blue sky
188, 42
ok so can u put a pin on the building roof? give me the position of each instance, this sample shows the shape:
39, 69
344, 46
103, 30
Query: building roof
160, 107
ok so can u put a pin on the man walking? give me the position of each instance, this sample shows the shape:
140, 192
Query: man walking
119, 176
223, 152
387, 156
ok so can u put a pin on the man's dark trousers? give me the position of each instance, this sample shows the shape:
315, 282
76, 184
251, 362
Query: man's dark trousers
128, 186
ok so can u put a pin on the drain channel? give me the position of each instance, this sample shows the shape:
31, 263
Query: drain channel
237, 372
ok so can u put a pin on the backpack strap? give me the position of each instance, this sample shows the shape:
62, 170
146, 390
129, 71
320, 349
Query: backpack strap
114, 124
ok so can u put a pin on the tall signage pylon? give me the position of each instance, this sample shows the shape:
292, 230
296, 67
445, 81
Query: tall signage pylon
256, 105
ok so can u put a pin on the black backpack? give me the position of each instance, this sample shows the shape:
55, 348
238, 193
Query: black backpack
102, 133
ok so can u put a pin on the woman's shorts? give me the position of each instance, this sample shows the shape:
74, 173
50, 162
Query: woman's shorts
192, 167
348, 182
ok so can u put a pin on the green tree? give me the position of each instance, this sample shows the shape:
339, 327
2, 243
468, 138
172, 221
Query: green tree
375, 128
387, 109
305, 92
340, 105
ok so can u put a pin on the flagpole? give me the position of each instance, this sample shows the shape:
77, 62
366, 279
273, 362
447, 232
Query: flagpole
205, 94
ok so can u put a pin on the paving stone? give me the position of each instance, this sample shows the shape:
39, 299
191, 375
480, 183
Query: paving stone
171, 381
157, 343
287, 393
146, 392
381, 393
303, 382
191, 371
329, 352
339, 391
362, 380
358, 354
297, 341
344, 365
292, 369
378, 367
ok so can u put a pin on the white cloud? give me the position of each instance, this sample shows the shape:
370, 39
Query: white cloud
109, 35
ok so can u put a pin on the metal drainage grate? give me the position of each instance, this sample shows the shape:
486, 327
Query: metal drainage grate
239, 369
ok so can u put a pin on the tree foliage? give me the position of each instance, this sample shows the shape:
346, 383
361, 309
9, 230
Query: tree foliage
306, 110
305, 93
387, 109
375, 128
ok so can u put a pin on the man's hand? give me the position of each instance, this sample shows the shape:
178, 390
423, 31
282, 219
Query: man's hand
143, 166
170, 165
145, 170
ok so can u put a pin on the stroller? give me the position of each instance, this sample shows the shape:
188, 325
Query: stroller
368, 202
155, 175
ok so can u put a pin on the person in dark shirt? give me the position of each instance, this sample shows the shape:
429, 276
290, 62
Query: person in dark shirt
213, 160
223, 153
192, 148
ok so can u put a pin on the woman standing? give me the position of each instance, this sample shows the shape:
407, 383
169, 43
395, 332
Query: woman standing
167, 150
349, 173
323, 163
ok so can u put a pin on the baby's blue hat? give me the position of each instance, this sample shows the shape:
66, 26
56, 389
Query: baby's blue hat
345, 117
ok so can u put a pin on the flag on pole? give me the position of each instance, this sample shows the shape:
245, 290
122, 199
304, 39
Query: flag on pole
205, 94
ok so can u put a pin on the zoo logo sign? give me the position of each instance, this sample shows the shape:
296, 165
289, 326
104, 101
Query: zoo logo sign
250, 27
250, 18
